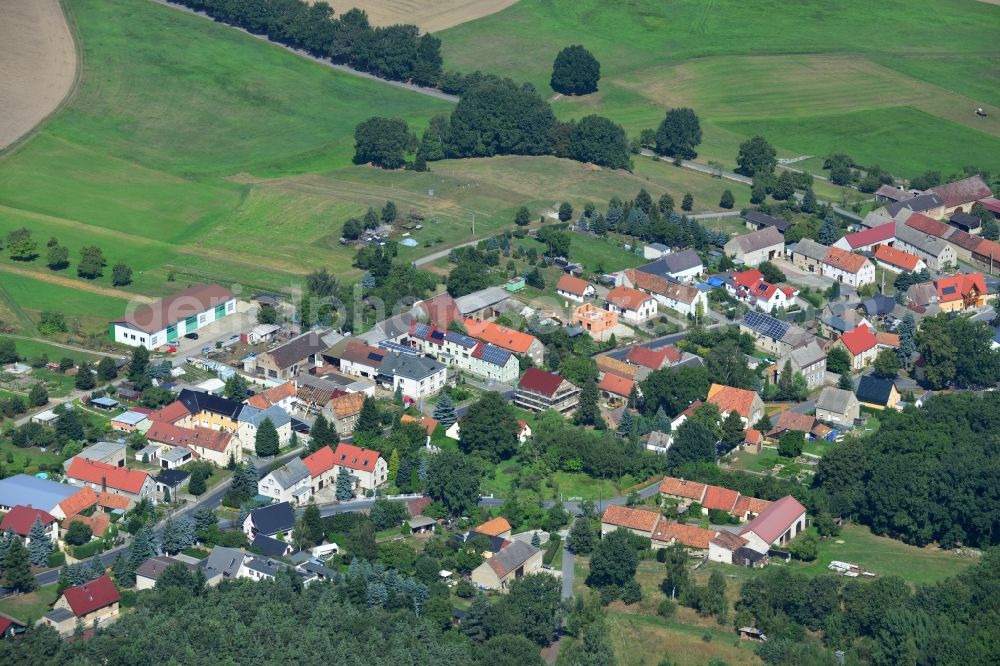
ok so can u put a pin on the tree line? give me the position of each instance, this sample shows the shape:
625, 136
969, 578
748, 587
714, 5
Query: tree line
396, 52
22, 247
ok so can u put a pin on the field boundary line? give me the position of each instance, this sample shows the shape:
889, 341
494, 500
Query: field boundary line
70, 283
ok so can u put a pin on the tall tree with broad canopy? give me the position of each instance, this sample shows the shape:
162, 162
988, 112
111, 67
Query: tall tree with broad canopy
384, 142
500, 118
575, 71
693, 443
490, 428
756, 157
600, 141
614, 561
453, 480
679, 134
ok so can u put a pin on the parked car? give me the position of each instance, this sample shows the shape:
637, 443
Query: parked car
207, 350
191, 336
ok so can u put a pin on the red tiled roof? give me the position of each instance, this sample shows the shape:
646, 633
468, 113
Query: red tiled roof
844, 260
358, 352
6, 623
928, 225
494, 527
119, 478
501, 336
745, 505
673, 353
887, 339
346, 405
89, 597
731, 399
112, 501
898, 258
720, 498
861, 339
627, 298
646, 357
540, 381
657, 284
354, 457
416, 506
174, 435
987, 249
273, 395
425, 422
635, 519
615, 384
572, 285
752, 436
441, 310
689, 535
748, 278
880, 234
21, 518
962, 191
729, 541
74, 504
959, 286
614, 366
773, 521
156, 316
691, 490
173, 412
321, 460
98, 523
991, 204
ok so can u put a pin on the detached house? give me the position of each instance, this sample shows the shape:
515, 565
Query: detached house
742, 401
415, 376
631, 305
597, 322
964, 291
367, 467
757, 247
299, 354
772, 335
877, 393
290, 483
89, 604
514, 560
837, 406
861, 346
251, 418
539, 390
322, 468
272, 520
776, 525
898, 261
751, 287
20, 520
573, 288
810, 360
684, 266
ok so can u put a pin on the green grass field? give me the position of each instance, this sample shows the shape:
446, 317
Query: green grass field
802, 75
30, 607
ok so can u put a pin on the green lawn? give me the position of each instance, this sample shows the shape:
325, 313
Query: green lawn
35, 348
886, 557
801, 76
29, 607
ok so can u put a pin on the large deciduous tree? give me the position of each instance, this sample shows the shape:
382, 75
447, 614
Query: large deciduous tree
756, 157
575, 71
489, 428
384, 142
600, 141
453, 480
679, 134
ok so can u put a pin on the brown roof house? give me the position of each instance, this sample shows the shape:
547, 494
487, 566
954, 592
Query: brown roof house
89, 604
300, 354
539, 390
756, 247
164, 321
962, 194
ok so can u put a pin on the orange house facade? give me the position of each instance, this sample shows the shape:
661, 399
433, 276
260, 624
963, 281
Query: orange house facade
599, 323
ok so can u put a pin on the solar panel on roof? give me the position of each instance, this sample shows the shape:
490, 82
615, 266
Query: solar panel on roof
948, 290
398, 348
765, 325
495, 355
460, 339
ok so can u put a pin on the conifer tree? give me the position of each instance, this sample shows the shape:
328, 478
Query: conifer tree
345, 485
17, 567
39, 544
321, 434
444, 411
369, 422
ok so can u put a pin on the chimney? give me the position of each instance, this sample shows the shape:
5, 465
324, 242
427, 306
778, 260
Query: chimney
104, 484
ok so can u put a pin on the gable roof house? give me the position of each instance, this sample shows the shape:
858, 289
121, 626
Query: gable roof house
415, 376
300, 354
810, 360
963, 291
496, 527
132, 485
961, 194
750, 286
178, 445
574, 289
89, 604
808, 255
270, 520
440, 311
361, 360
746, 403
367, 467
631, 304
150, 571
877, 393
861, 346
683, 266
935, 251
691, 537
209, 411
637, 521
756, 220
20, 519
251, 418
510, 339
682, 491
776, 525
718, 498
898, 261
756, 247
772, 335
290, 483
675, 295
867, 240
653, 359
847, 267
515, 559
837, 406
891, 194
539, 390
483, 304
222, 564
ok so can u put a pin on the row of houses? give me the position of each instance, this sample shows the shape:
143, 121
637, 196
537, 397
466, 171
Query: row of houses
301, 479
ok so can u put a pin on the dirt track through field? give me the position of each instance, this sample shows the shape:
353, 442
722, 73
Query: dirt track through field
37, 64
70, 283
428, 15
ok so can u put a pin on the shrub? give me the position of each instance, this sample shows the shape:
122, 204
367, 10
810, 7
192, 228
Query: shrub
631, 593
57, 559
666, 608
88, 549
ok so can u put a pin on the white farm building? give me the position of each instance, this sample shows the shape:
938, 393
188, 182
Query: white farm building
167, 319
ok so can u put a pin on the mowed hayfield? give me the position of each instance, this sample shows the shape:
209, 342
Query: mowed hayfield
193, 152
813, 78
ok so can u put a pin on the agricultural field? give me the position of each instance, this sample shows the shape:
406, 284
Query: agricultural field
845, 77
